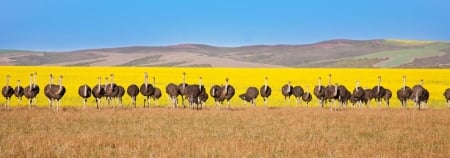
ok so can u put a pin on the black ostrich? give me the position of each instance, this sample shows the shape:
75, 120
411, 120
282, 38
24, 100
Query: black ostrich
98, 92
111, 90
358, 94
287, 91
404, 93
57, 93
344, 95
387, 96
120, 95
447, 96
133, 92
250, 95
193, 95
307, 97
378, 92
215, 92
182, 89
227, 92
319, 92
31, 91
18, 92
47, 91
265, 91
84, 91
367, 96
203, 96
331, 92
298, 92
147, 90
157, 92
7, 91
420, 95
173, 92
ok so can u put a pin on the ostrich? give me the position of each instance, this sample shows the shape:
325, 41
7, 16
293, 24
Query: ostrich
298, 93
98, 92
367, 96
111, 89
387, 96
286, 90
307, 97
173, 92
31, 91
57, 93
47, 90
250, 95
265, 91
133, 91
193, 93
18, 92
7, 91
157, 92
182, 88
331, 92
227, 92
447, 96
358, 94
342, 94
420, 95
215, 93
203, 97
378, 92
404, 93
120, 94
147, 90
84, 91
319, 92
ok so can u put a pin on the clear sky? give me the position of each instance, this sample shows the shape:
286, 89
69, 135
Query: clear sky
78, 24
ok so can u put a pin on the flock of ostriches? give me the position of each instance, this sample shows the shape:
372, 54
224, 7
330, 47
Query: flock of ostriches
196, 94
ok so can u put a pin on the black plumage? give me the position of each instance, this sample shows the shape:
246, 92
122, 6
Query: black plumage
250, 95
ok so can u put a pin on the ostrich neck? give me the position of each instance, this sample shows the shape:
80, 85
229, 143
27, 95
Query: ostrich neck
289, 87
51, 82
34, 83
99, 85
213, 91
320, 86
60, 86
31, 82
146, 82
85, 89
335, 90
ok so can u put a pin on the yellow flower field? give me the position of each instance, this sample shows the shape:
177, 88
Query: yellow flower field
435, 80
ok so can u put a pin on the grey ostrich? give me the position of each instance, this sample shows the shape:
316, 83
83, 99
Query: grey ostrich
133, 92
215, 92
331, 92
307, 97
120, 95
358, 94
111, 90
298, 92
98, 91
367, 96
227, 92
84, 91
157, 92
286, 90
378, 92
387, 96
47, 90
420, 95
203, 97
18, 92
193, 93
31, 91
265, 91
447, 96
147, 90
182, 88
250, 95
7, 91
404, 93
319, 92
173, 92
57, 93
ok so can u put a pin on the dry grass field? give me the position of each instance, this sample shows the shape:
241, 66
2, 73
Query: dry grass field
240, 132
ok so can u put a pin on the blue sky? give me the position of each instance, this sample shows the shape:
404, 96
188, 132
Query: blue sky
50, 25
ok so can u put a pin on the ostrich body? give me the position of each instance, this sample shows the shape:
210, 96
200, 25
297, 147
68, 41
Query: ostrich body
447, 96
367, 96
331, 92
378, 92
250, 95
298, 93
307, 97
287, 91
182, 88
265, 91
387, 96
18, 92
147, 90
98, 92
215, 93
404, 93
358, 94
193, 94
84, 91
57, 93
203, 96
419, 95
7, 91
157, 92
133, 92
173, 92
47, 90
343, 95
319, 92
111, 90
31, 91
227, 92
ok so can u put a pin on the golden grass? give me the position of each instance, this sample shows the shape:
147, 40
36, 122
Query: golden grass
242, 132
436, 80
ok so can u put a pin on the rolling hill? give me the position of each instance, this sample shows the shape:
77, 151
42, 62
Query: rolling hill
332, 53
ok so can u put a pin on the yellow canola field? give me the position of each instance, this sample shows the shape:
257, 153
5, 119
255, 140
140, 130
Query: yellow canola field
435, 80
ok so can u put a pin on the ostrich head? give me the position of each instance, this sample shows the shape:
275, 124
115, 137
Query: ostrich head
154, 80
35, 79
226, 83
421, 82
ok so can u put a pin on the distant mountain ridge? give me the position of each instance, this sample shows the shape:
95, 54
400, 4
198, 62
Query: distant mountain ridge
331, 53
